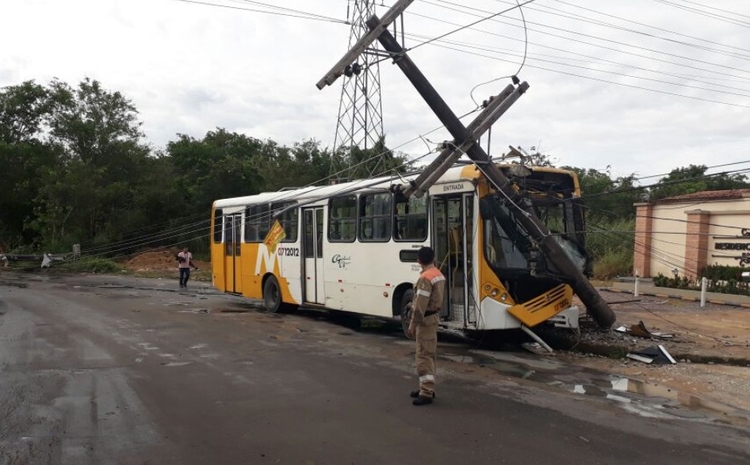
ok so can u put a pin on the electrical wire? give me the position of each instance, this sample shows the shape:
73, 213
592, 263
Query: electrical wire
471, 25
558, 13
301, 15
720, 74
716, 9
689, 86
622, 84
509, 22
646, 25
706, 14
520, 67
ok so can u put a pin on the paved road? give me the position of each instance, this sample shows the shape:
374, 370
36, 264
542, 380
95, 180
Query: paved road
118, 370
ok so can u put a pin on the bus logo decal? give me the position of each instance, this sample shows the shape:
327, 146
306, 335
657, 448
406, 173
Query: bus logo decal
341, 260
265, 258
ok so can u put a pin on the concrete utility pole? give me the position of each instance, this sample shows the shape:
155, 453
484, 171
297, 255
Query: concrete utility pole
465, 140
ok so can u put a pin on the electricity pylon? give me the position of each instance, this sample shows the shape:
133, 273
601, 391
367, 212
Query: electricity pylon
360, 119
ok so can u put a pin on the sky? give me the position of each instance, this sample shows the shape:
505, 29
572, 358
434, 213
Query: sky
637, 87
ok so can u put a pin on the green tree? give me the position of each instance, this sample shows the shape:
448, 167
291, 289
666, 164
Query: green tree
88, 196
358, 163
22, 112
222, 164
24, 158
606, 197
693, 178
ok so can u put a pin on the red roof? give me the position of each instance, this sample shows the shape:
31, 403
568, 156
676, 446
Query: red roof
731, 194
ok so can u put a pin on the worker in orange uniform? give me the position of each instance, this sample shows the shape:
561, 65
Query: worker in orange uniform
425, 309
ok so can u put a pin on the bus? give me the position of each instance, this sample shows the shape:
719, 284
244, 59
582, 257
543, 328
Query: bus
352, 247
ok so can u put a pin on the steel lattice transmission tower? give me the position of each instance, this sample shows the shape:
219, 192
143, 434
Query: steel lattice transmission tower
360, 119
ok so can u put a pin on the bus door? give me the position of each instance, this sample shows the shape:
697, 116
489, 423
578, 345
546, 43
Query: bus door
312, 219
232, 259
453, 234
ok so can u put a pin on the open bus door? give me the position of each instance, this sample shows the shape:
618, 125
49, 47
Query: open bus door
232, 253
453, 234
312, 250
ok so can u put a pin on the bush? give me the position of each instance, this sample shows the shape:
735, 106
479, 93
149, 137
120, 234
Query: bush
722, 286
89, 265
722, 272
614, 262
609, 243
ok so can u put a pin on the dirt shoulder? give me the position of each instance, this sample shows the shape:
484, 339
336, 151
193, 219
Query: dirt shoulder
711, 346
163, 264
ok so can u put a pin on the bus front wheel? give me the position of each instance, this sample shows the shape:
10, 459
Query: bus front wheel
272, 295
406, 310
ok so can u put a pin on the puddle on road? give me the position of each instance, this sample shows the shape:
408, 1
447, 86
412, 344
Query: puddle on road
649, 400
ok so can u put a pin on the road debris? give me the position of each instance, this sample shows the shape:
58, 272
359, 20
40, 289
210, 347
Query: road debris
657, 354
640, 330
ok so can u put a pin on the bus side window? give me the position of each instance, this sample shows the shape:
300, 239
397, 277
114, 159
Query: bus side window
288, 219
218, 226
256, 222
342, 219
375, 217
410, 219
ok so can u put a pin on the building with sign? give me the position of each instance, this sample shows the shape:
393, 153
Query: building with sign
683, 234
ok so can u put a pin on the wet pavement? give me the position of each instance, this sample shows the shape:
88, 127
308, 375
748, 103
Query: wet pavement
650, 400
123, 370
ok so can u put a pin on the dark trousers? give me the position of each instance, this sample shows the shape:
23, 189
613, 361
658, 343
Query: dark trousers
184, 276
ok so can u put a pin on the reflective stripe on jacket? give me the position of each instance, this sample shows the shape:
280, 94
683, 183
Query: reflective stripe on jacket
428, 294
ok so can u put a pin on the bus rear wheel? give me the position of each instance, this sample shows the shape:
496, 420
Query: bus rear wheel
406, 311
272, 295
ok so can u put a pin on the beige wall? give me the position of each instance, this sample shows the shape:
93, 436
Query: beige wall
669, 228
668, 239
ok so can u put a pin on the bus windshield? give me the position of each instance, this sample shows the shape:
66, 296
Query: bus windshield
507, 245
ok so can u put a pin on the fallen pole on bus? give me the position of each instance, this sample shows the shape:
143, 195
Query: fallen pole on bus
595, 304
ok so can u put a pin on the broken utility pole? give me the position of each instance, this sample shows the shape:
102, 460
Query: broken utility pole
465, 142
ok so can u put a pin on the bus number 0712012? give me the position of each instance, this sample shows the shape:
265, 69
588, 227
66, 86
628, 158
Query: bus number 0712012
288, 251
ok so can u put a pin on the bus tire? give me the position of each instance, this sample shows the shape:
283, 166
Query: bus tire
406, 311
272, 295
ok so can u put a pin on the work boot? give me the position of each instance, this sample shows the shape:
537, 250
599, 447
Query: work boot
415, 394
422, 400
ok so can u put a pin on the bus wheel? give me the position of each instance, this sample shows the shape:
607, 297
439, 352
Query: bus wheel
406, 310
272, 295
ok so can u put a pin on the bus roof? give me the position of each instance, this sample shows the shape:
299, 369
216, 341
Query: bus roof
466, 172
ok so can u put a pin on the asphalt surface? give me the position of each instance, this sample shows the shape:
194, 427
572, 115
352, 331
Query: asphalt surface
128, 371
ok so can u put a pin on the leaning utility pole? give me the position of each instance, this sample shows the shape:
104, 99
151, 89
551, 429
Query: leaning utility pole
465, 142
360, 119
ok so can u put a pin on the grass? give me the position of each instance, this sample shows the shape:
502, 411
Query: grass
200, 275
89, 265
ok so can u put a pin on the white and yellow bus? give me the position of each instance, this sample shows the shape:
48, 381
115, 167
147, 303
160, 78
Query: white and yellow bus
352, 247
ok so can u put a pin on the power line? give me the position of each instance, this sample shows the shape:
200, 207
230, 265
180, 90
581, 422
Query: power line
646, 25
716, 9
589, 36
299, 14
697, 11
586, 19
622, 84
601, 71
471, 25
719, 74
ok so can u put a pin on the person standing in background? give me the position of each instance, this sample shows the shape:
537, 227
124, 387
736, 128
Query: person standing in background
185, 262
